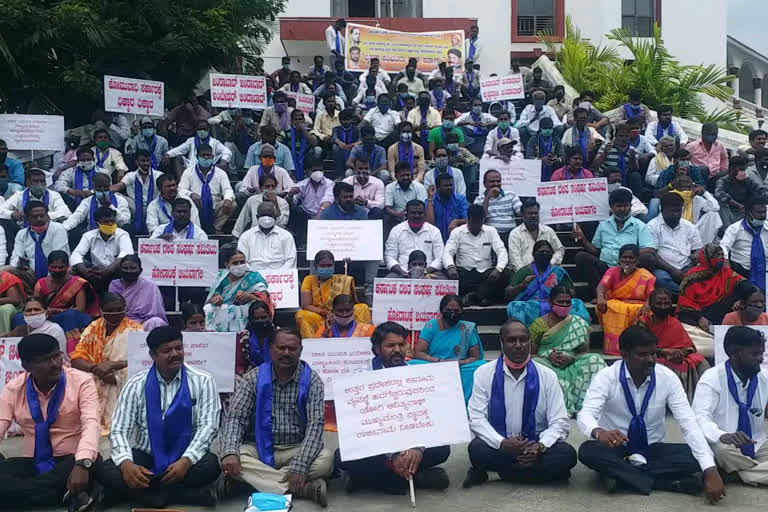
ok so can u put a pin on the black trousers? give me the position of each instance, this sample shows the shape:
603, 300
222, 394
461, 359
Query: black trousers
372, 472
470, 280
552, 465
665, 460
22, 488
200, 475
589, 268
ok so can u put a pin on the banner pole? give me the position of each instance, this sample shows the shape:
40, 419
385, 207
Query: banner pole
413, 494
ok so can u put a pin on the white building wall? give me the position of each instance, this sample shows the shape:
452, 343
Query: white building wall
302, 59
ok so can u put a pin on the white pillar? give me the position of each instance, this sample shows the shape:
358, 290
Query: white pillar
759, 97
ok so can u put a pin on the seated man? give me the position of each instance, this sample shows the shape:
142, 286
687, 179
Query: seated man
583, 136
438, 95
501, 206
384, 120
737, 189
503, 130
391, 472
446, 209
283, 156
424, 118
33, 244
141, 188
681, 164
760, 168
665, 154
729, 403
159, 210
107, 158
624, 412
665, 127
267, 246
443, 167
300, 142
190, 149
461, 158
57, 410
622, 155
476, 124
12, 210
518, 417
438, 136
268, 188
468, 257
369, 152
295, 84
163, 426
639, 210
104, 248
369, 190
531, 116
414, 234
209, 188
709, 153
547, 148
266, 167
635, 109
399, 193
757, 142
345, 138
15, 169
286, 453
325, 121
524, 237
181, 227
405, 150
148, 140
82, 219
745, 244
573, 168
77, 182
315, 193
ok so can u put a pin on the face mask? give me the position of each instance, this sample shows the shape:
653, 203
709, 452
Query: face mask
621, 218
101, 195
515, 366
57, 274
538, 104
442, 162
35, 321
561, 311
756, 223
448, 124
87, 165
477, 109
108, 229
260, 325
384, 108
370, 100
415, 225
267, 161
402, 95
741, 175
286, 67
542, 259
546, 132
709, 139
627, 268
129, 276
503, 125
343, 321
39, 229
662, 312
453, 147
683, 164
750, 310
147, 132
317, 176
325, 272
281, 107
406, 137
266, 222
37, 190
205, 162
451, 318
239, 270
102, 144
202, 134
247, 121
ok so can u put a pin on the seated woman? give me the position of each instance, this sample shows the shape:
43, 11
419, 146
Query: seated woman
226, 308
621, 295
675, 350
143, 300
751, 310
193, 317
449, 338
253, 342
560, 341
36, 322
11, 299
530, 287
103, 351
318, 292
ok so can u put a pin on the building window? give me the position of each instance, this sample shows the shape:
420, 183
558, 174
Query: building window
377, 8
638, 16
535, 16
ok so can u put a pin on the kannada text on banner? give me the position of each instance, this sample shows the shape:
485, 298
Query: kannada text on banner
409, 302
134, 96
238, 91
181, 263
500, 88
573, 201
520, 176
394, 48
304, 102
10, 362
358, 240
283, 287
721, 356
32, 132
332, 358
389, 410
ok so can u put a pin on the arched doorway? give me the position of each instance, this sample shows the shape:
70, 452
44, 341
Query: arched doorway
746, 89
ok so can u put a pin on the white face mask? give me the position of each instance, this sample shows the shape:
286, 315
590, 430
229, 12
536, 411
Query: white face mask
266, 221
317, 176
35, 321
87, 165
239, 270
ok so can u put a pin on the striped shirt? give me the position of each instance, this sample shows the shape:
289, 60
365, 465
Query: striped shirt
238, 425
501, 211
130, 418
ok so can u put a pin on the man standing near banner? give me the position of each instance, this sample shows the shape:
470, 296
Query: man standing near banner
334, 37
472, 44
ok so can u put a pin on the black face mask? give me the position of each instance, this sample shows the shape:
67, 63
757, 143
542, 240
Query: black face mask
130, 276
59, 274
542, 259
261, 325
662, 312
451, 318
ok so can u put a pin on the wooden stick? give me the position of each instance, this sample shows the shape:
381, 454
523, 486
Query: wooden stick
413, 495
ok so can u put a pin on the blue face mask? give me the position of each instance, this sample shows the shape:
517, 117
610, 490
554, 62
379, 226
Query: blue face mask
325, 272
205, 162
370, 100
101, 195
448, 125
453, 147
148, 132
384, 108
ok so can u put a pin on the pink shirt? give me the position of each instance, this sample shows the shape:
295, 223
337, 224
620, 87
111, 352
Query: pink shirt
716, 160
563, 174
373, 190
76, 430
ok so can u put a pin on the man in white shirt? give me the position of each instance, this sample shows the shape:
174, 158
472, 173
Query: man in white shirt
384, 121
730, 403
181, 227
369, 190
624, 412
209, 188
190, 149
665, 127
77, 182
638, 208
34, 243
524, 236
472, 45
108, 158
82, 219
159, 210
267, 246
518, 417
295, 85
477, 124
528, 124
737, 242
12, 210
103, 248
399, 193
374, 70
266, 167
334, 38
414, 234
468, 258
248, 215
503, 130
140, 186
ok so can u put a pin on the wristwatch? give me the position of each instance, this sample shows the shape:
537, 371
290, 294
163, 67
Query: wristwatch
84, 463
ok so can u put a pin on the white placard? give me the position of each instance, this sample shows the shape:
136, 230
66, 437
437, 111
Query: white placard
182, 263
520, 176
283, 286
389, 410
304, 102
333, 358
358, 240
720, 330
134, 96
213, 352
10, 362
499, 88
410, 302
32, 132
573, 201
238, 91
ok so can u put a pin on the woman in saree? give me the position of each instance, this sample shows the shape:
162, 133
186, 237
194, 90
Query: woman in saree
530, 287
253, 342
560, 341
103, 351
143, 300
449, 338
675, 350
192, 317
621, 295
36, 322
226, 308
11, 298
318, 292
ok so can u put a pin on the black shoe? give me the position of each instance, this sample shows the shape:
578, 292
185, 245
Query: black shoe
609, 484
469, 299
474, 477
686, 485
351, 484
431, 478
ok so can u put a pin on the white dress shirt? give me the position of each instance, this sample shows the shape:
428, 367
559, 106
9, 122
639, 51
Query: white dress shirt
303, 89
197, 232
402, 241
24, 247
57, 208
471, 252
83, 213
103, 252
521, 244
383, 124
737, 244
529, 120
486, 119
249, 214
330, 39
189, 151
717, 411
66, 179
130, 180
552, 423
159, 211
675, 245
359, 99
643, 146
650, 132
220, 187
112, 159
478, 49
3, 248
381, 76
605, 407
492, 140
283, 178
268, 251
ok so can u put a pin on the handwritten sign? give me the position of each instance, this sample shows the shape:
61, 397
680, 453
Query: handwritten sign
409, 302
10, 362
238, 91
573, 201
332, 358
180, 263
499, 88
283, 286
304, 102
390, 410
720, 330
358, 240
520, 176
32, 132
212, 352
134, 96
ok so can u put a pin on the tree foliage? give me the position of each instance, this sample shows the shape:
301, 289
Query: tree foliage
55, 52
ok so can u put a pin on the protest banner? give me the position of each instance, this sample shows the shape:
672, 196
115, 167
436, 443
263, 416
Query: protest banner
212, 352
333, 358
32, 132
283, 286
720, 330
520, 176
409, 302
238, 91
180, 263
389, 410
500, 88
10, 362
393, 48
573, 201
304, 102
358, 240
134, 96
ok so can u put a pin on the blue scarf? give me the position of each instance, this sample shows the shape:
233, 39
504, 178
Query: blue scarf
377, 364
190, 232
546, 169
25, 199
579, 175
660, 130
347, 134
258, 350
451, 87
371, 156
497, 409
622, 163
757, 256
404, 155
478, 130
41, 260
101, 159
198, 141
445, 213
206, 215
169, 435
161, 204
541, 291
152, 145
43, 449
470, 79
338, 42
79, 174
744, 424
264, 443
138, 200
95, 205
438, 99
298, 158
629, 113
472, 49
637, 432
335, 332
424, 132
584, 143
500, 135
317, 75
